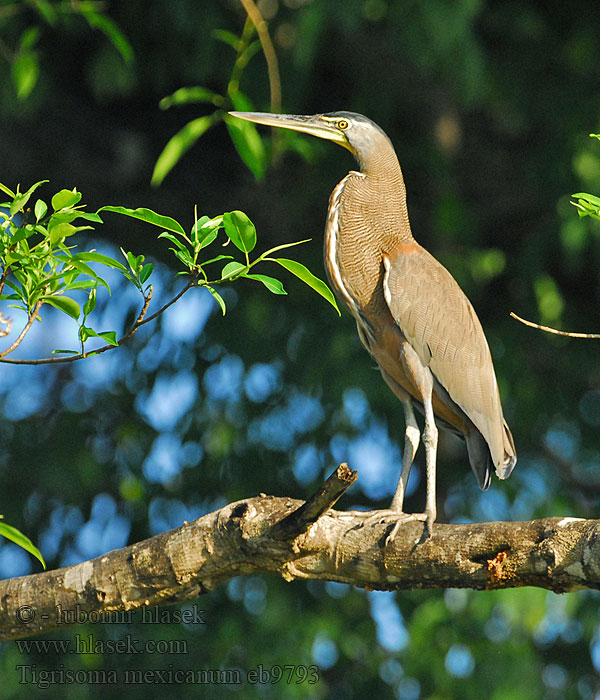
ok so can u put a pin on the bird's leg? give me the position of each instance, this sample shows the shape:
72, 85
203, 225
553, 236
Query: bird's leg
423, 380
430, 440
411, 442
412, 435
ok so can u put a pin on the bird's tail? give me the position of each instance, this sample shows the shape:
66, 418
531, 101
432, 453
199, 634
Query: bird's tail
481, 460
503, 471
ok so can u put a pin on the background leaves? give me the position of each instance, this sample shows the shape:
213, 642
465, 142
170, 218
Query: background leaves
489, 106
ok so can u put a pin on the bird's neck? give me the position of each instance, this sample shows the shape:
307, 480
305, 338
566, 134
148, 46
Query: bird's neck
367, 219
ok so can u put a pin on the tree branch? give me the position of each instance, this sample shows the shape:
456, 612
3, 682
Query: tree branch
304, 541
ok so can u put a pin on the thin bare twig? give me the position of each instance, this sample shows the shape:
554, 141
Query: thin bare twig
73, 358
178, 296
140, 321
268, 50
554, 330
25, 330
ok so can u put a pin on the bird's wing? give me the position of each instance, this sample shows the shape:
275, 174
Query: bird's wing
440, 324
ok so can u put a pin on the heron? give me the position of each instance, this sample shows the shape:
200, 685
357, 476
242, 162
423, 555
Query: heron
411, 315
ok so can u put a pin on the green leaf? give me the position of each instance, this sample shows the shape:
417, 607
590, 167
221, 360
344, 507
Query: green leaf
65, 199
14, 287
7, 191
208, 239
198, 234
134, 261
240, 101
66, 352
11, 533
177, 145
90, 304
219, 257
190, 95
272, 284
145, 272
198, 225
81, 284
184, 256
40, 209
149, 216
46, 10
217, 297
173, 239
232, 269
110, 337
207, 232
264, 256
587, 197
226, 37
79, 265
87, 216
21, 234
25, 65
60, 231
29, 37
65, 304
92, 256
248, 144
240, 230
308, 278
21, 199
25, 72
109, 28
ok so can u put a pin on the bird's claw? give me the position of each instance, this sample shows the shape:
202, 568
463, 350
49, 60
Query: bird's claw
407, 517
399, 519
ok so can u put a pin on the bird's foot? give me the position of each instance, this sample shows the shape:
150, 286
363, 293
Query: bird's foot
397, 519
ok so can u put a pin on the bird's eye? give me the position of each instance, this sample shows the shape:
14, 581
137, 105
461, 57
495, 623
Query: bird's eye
342, 124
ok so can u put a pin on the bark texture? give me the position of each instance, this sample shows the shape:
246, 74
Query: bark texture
305, 540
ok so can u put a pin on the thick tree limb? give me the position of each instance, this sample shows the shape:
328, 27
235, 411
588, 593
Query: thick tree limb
304, 541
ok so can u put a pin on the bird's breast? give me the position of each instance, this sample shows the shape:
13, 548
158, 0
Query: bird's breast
360, 229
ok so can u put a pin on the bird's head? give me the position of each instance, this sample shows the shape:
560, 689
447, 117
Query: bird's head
361, 136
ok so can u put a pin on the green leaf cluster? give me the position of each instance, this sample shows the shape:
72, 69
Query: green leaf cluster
244, 135
241, 233
40, 265
26, 59
587, 204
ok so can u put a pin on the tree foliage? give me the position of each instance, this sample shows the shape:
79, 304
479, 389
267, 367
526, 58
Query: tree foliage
489, 106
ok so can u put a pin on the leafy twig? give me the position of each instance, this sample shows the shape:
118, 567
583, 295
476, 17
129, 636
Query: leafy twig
40, 268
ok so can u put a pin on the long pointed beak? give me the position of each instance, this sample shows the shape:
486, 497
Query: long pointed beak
314, 125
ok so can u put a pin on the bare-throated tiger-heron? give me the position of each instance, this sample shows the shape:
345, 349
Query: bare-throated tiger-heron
411, 315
